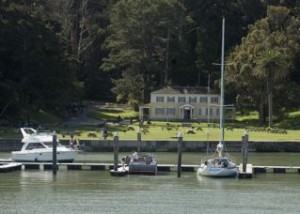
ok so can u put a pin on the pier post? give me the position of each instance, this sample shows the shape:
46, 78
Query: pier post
207, 142
245, 150
116, 150
54, 149
139, 139
180, 138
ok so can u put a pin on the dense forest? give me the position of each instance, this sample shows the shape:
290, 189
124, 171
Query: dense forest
57, 52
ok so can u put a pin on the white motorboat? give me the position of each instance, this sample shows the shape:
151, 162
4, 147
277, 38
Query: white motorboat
220, 165
38, 147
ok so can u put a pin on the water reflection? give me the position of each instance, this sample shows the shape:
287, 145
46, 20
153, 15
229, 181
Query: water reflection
215, 183
88, 191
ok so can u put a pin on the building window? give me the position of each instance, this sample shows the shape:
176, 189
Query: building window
206, 111
200, 111
171, 99
159, 111
217, 111
170, 111
210, 112
203, 99
214, 99
160, 99
181, 99
192, 99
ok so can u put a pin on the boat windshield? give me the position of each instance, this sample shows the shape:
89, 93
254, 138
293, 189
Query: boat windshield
31, 146
223, 160
50, 144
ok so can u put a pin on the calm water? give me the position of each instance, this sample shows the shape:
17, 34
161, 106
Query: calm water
87, 191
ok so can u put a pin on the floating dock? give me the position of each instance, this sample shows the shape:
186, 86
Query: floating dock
276, 169
248, 173
250, 169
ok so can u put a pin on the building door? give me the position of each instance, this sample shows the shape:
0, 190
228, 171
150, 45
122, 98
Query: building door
187, 114
146, 115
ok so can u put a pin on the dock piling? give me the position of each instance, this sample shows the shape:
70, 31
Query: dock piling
54, 159
116, 150
139, 140
180, 138
245, 151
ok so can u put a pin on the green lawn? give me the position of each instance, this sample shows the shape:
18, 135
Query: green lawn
158, 131
235, 134
161, 131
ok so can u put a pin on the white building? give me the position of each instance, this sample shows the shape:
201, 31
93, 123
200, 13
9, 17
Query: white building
184, 104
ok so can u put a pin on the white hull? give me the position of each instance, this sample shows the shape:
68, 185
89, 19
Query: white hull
121, 171
204, 170
217, 167
43, 155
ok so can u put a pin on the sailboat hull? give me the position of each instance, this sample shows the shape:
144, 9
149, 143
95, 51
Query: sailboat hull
217, 171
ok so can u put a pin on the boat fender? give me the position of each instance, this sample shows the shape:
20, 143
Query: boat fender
220, 147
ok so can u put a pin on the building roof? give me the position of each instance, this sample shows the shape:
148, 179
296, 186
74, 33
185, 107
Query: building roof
182, 90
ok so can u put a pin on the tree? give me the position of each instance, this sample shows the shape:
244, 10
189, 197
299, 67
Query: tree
263, 61
205, 36
129, 88
34, 71
142, 33
83, 28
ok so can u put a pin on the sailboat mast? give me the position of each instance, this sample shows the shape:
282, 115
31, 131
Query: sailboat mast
222, 85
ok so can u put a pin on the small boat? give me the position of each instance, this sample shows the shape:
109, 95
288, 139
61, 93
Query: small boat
141, 163
38, 147
121, 171
8, 167
220, 165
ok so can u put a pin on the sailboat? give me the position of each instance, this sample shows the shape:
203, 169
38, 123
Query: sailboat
219, 165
